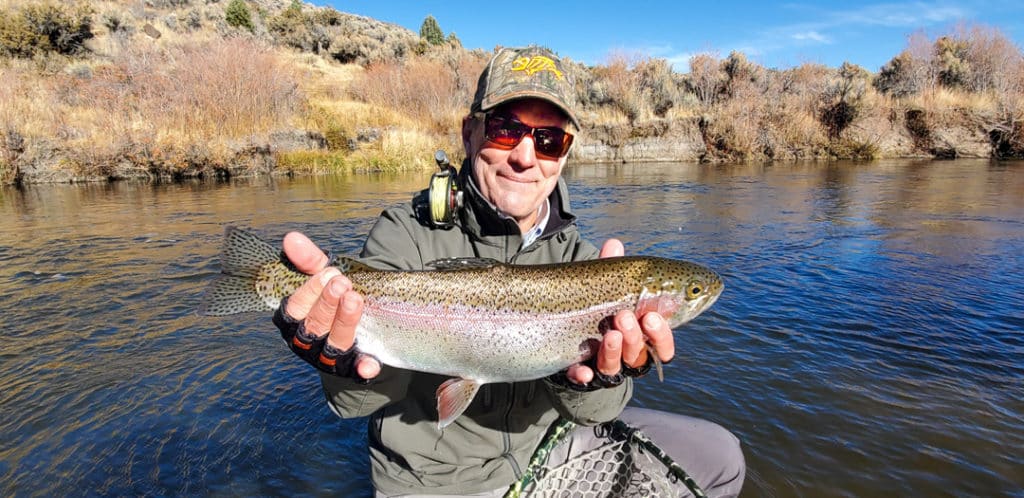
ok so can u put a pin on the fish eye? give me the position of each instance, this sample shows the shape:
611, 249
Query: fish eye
694, 289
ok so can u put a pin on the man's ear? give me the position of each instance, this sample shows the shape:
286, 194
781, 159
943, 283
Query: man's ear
468, 123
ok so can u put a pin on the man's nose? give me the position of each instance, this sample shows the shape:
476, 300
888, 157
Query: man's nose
524, 154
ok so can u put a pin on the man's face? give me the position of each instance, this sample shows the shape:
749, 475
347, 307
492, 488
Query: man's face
516, 180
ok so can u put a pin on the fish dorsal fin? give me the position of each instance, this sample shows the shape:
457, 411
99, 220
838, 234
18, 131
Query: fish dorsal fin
453, 264
349, 265
453, 397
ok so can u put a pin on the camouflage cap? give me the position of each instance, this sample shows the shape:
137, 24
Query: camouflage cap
515, 73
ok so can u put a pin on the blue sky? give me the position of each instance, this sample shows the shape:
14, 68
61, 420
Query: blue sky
773, 34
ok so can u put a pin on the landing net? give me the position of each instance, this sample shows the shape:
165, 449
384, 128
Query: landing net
628, 465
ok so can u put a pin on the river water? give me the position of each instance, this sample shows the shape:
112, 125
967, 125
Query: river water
868, 343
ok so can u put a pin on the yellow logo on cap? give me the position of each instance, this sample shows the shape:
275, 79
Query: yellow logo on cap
536, 64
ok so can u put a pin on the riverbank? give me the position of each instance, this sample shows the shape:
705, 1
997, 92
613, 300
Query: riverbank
304, 152
185, 89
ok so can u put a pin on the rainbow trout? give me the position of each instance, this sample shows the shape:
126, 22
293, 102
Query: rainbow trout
476, 320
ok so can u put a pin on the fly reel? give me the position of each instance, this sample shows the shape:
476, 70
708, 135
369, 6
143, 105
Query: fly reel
445, 196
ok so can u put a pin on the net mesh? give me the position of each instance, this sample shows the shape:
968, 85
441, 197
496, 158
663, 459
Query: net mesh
628, 465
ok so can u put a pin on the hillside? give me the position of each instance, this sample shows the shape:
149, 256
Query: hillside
168, 89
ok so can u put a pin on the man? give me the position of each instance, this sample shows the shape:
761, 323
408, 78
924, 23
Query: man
516, 210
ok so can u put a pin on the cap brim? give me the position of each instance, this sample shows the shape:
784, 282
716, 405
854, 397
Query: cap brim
489, 103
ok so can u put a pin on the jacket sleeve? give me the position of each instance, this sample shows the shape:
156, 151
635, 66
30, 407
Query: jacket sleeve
589, 408
389, 245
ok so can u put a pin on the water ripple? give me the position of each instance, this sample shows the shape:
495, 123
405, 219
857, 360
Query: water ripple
868, 342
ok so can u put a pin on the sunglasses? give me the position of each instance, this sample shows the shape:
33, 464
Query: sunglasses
505, 132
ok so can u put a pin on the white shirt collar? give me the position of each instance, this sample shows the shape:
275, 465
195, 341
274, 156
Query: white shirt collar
544, 212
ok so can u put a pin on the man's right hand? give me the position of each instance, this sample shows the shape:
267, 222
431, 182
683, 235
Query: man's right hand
327, 302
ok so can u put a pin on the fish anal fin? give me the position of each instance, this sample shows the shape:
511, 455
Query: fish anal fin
453, 397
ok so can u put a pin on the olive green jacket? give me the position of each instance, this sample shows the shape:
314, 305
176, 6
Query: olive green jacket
489, 445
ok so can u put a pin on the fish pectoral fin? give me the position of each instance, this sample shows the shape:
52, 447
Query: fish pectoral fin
453, 397
450, 264
657, 363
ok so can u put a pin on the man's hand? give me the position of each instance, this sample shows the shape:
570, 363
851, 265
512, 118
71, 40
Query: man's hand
626, 342
327, 301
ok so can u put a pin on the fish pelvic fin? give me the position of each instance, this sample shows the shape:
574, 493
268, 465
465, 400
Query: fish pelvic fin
453, 397
244, 259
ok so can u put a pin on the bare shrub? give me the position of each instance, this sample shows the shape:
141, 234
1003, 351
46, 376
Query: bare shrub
706, 79
158, 106
615, 84
994, 61
657, 85
236, 85
435, 94
740, 73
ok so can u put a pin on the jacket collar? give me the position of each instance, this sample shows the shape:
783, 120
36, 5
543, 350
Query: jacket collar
482, 219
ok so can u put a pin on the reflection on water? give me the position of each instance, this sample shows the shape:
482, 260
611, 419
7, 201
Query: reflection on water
868, 342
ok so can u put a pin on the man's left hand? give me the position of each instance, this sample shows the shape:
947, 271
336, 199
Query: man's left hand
626, 343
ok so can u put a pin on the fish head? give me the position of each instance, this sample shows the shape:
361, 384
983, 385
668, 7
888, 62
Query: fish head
679, 290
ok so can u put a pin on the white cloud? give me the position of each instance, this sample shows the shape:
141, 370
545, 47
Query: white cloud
811, 36
827, 27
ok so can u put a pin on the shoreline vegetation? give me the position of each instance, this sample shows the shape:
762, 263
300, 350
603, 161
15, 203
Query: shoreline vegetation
174, 89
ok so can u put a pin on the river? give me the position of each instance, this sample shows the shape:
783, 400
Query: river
868, 343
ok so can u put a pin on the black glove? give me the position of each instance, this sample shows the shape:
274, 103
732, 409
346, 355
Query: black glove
315, 351
600, 380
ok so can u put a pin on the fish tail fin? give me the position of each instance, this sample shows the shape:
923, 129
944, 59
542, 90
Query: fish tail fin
453, 397
244, 254
230, 294
242, 258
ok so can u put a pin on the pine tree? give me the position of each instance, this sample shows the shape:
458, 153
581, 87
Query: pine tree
431, 31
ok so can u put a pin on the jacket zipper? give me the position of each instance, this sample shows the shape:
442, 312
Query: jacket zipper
505, 438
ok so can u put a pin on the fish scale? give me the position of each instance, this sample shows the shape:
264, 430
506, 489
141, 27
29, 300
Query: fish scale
478, 321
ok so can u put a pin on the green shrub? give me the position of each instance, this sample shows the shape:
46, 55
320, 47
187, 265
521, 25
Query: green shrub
365, 41
237, 15
898, 77
46, 28
954, 68
295, 28
842, 100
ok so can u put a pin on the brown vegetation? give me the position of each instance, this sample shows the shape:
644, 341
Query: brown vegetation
180, 87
